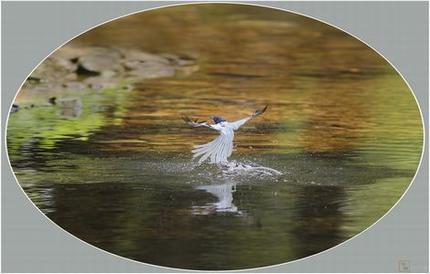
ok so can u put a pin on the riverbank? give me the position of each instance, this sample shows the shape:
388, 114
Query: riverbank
73, 68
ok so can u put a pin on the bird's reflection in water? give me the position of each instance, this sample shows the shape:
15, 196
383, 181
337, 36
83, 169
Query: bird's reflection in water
224, 194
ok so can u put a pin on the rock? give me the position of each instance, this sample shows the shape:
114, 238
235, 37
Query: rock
137, 55
33, 79
84, 71
183, 60
148, 69
48, 71
99, 59
71, 53
14, 108
100, 82
53, 100
66, 64
79, 68
187, 70
108, 74
106, 79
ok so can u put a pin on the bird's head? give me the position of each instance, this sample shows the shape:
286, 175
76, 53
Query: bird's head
217, 119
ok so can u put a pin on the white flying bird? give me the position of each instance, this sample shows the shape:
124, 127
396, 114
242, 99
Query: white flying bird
218, 150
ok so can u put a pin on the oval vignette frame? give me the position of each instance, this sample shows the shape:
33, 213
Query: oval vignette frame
232, 3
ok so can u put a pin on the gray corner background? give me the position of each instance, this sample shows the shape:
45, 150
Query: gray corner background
32, 243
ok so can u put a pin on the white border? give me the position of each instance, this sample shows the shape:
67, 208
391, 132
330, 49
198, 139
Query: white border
235, 3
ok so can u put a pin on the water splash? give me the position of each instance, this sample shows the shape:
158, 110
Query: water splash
222, 185
252, 169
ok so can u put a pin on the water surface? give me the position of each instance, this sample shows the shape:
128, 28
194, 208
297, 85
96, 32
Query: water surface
116, 171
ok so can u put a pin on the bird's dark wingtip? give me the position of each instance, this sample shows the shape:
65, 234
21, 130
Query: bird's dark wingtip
260, 111
264, 109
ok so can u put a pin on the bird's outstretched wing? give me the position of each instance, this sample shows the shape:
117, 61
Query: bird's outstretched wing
237, 124
218, 150
195, 123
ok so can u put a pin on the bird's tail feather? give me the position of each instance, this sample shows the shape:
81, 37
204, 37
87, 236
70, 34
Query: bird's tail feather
217, 150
